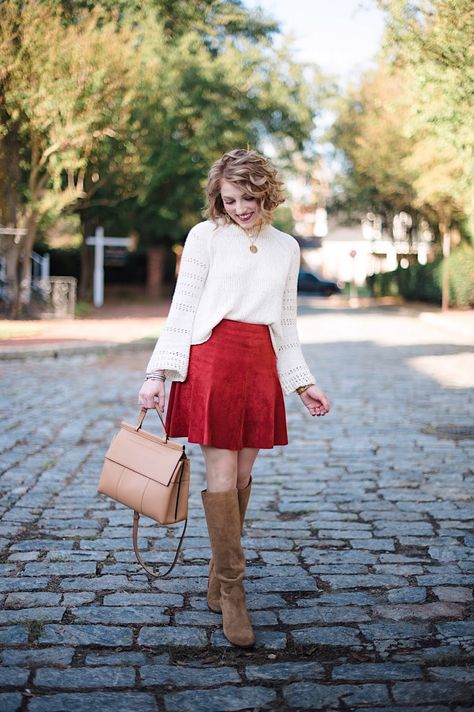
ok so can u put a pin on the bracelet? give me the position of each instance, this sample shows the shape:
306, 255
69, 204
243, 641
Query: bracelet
155, 377
302, 389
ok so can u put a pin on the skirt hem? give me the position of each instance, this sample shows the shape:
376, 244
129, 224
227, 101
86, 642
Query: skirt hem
225, 447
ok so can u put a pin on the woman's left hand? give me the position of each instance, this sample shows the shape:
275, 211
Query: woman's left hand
315, 401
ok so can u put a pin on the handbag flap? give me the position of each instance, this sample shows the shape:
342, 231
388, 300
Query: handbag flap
145, 453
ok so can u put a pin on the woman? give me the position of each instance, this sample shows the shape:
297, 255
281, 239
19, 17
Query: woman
230, 346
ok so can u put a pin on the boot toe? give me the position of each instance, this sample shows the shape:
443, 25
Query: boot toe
236, 623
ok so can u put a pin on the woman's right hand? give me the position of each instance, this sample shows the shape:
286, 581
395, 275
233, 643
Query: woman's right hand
152, 392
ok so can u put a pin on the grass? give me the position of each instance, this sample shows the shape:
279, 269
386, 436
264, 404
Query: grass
82, 309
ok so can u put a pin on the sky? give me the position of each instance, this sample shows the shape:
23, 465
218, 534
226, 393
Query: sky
341, 36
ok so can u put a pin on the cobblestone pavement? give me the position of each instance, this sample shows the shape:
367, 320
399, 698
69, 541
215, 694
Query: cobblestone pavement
359, 540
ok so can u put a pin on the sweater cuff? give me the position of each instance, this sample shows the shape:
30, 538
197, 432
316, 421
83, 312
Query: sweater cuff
173, 364
295, 377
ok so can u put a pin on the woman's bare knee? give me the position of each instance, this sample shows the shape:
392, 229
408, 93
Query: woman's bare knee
221, 468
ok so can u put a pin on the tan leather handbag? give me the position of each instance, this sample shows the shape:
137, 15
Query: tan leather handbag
150, 475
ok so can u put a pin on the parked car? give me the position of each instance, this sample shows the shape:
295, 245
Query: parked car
309, 283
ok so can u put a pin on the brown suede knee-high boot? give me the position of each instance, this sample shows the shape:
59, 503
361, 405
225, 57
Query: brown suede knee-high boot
214, 588
223, 523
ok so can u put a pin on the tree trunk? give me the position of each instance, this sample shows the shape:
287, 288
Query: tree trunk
12, 258
25, 264
9, 173
30, 220
10, 207
155, 271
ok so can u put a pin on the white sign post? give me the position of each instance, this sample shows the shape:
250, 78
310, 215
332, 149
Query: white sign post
99, 242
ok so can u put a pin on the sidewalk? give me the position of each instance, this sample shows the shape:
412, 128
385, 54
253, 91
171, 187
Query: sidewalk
111, 327
133, 326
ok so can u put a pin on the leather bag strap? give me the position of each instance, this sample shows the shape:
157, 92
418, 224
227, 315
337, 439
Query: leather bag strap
141, 418
136, 518
136, 515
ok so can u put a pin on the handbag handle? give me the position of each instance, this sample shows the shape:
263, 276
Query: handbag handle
141, 418
136, 518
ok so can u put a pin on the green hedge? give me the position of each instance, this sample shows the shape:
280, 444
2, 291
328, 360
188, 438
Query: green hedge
423, 282
461, 276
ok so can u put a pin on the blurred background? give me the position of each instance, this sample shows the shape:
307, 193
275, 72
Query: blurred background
111, 114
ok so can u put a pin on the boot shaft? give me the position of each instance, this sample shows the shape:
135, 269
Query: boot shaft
223, 524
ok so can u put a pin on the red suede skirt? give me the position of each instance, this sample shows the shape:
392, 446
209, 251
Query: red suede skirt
231, 397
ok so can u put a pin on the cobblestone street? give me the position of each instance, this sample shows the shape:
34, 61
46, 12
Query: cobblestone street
359, 539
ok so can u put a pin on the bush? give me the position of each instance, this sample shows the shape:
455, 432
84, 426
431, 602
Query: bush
461, 276
423, 282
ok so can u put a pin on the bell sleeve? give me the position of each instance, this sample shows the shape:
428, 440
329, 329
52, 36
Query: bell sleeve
292, 368
171, 352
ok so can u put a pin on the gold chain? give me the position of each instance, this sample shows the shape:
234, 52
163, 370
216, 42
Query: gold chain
252, 247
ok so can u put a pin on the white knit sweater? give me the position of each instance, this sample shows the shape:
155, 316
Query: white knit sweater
220, 278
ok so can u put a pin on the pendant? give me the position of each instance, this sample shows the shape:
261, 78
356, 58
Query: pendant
253, 248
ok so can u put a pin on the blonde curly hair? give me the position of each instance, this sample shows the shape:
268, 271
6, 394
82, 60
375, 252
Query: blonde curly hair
250, 172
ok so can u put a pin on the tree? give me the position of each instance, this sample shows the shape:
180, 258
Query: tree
432, 43
200, 91
207, 103
117, 109
405, 132
368, 135
64, 92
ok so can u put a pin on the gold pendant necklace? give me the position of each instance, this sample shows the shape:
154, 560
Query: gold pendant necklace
252, 247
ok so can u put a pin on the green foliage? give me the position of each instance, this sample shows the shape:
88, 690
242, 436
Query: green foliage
461, 276
116, 110
203, 105
423, 282
433, 43
65, 93
214, 20
406, 132
368, 132
65, 98
415, 283
82, 309
283, 219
